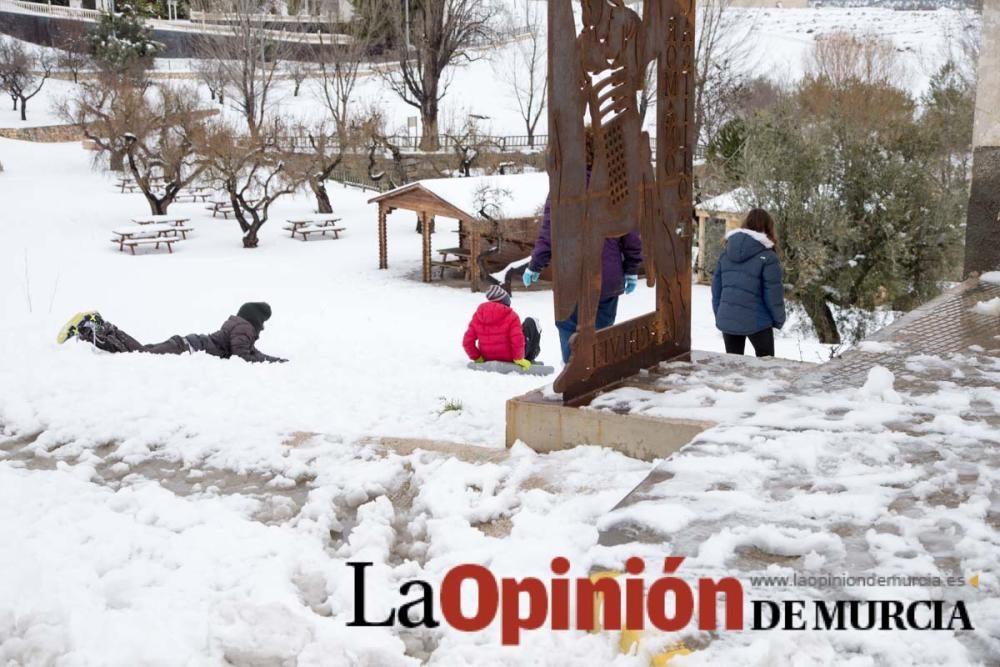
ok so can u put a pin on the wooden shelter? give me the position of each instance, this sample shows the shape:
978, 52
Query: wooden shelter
514, 201
716, 217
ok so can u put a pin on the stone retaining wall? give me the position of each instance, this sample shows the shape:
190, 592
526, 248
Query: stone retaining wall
63, 133
44, 134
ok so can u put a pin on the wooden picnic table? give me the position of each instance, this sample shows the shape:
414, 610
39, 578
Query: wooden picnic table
461, 261
223, 207
128, 183
155, 234
193, 194
316, 223
175, 220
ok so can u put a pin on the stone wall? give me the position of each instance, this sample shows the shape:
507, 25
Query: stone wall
44, 134
63, 133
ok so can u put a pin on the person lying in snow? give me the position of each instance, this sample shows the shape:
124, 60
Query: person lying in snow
496, 333
236, 338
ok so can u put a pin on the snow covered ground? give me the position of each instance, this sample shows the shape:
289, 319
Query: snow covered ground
104, 549
374, 352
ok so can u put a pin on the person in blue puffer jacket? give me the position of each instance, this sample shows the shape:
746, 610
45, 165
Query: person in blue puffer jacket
748, 297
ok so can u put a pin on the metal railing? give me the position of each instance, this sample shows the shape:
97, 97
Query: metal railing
52, 10
446, 142
449, 142
348, 178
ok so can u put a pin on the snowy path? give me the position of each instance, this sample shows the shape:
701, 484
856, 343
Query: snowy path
845, 470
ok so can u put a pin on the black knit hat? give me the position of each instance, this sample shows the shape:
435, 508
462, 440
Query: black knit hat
256, 313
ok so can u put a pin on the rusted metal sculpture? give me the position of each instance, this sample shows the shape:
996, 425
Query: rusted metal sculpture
597, 74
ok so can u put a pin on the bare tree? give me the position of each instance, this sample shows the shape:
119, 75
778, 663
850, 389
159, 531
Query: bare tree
338, 76
724, 67
74, 43
338, 67
248, 56
374, 137
319, 154
213, 74
105, 110
298, 71
156, 132
468, 143
22, 73
442, 32
843, 58
252, 169
526, 72
724, 64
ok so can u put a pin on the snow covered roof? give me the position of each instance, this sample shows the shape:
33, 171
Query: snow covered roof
728, 202
505, 197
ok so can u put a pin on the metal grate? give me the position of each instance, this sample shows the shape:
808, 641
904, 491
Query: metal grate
616, 163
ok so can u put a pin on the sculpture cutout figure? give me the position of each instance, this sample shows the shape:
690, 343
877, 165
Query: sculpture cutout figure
596, 75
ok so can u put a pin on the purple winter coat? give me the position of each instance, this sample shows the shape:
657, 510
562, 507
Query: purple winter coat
621, 256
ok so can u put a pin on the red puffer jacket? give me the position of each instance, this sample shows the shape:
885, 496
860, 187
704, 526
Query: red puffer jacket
497, 330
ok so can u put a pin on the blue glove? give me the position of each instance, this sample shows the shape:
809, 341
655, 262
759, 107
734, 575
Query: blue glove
631, 282
530, 277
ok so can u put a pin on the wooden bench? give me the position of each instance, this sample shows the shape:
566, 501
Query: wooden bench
305, 230
168, 241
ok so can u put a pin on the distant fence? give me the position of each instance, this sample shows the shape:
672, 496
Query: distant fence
364, 182
446, 142
515, 142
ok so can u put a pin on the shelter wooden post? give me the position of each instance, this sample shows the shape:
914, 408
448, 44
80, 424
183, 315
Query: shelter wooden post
425, 230
475, 241
383, 239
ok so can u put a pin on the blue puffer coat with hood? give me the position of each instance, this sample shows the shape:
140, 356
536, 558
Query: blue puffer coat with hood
747, 292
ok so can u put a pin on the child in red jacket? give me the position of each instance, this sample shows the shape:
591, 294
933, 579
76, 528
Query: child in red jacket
496, 333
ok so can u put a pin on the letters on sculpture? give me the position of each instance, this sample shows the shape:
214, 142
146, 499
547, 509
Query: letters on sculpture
595, 76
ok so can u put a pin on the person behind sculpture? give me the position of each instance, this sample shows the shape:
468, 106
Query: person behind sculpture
496, 333
620, 262
748, 297
235, 338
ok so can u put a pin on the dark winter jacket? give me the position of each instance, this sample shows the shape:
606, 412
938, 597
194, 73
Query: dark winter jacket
747, 293
621, 256
494, 333
236, 338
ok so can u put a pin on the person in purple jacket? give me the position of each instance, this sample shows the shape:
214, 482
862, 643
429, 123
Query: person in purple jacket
620, 262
